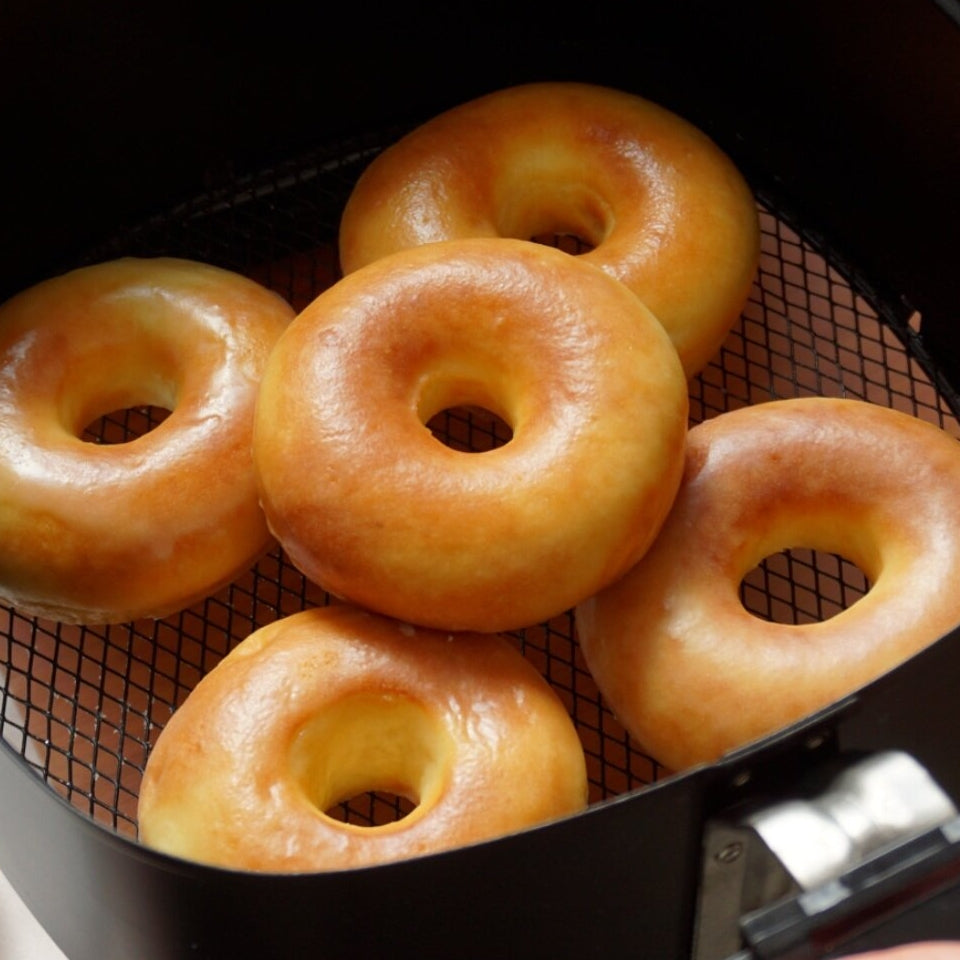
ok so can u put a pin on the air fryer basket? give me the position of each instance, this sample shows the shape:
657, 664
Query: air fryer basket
81, 706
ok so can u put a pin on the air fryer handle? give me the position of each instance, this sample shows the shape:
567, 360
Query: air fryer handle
830, 871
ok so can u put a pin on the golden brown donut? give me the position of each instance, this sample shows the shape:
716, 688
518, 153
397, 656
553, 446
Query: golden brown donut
99, 533
687, 669
327, 704
370, 505
662, 207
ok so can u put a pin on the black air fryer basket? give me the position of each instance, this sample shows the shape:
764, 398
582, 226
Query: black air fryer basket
234, 137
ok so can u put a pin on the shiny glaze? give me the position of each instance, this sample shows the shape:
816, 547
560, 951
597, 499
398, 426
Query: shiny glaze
689, 671
665, 210
107, 532
372, 507
321, 705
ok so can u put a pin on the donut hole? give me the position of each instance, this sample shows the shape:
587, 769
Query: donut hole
470, 429
464, 415
124, 424
802, 585
567, 242
119, 405
372, 808
371, 759
552, 206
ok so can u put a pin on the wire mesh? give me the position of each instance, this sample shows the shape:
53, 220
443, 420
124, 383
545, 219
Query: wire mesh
83, 705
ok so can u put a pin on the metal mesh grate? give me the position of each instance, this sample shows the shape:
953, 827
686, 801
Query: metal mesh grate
82, 705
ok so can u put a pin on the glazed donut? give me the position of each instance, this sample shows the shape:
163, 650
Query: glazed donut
324, 705
101, 533
687, 669
368, 504
659, 205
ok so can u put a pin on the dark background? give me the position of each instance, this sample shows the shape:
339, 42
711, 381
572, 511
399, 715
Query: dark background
114, 110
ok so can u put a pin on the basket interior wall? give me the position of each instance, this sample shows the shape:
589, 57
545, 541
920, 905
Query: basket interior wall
82, 705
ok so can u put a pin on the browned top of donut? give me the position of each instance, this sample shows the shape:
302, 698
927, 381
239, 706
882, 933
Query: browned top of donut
370, 504
687, 667
655, 201
109, 531
324, 704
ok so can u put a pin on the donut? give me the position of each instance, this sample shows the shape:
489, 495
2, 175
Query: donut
370, 505
109, 532
687, 669
324, 705
656, 203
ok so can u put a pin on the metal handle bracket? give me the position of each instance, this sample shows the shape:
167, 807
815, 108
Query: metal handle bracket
800, 864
